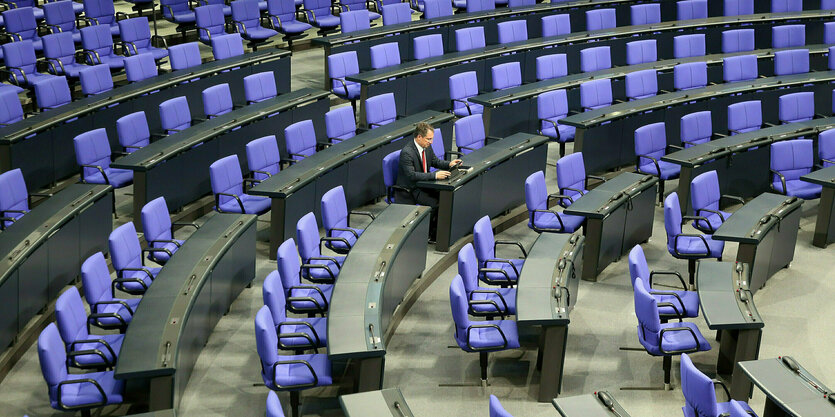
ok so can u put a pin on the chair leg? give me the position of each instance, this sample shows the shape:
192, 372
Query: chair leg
660, 191
113, 195
85, 413
562, 149
668, 364
482, 359
354, 106
691, 270
294, 403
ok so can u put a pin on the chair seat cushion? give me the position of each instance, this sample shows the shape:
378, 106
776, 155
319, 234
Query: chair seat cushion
320, 326
462, 111
16, 89
668, 170
117, 309
326, 21
34, 77
569, 224
489, 336
353, 90
512, 270
113, 61
299, 373
339, 245
118, 177
293, 27
713, 219
162, 257
71, 69
115, 342
695, 246
321, 273
677, 340
81, 394
258, 33
689, 298
373, 16
566, 132
306, 305
507, 294
159, 53
184, 17
252, 204
15, 216
800, 189
136, 287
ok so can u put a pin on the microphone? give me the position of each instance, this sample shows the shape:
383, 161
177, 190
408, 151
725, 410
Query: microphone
607, 401
794, 367
743, 296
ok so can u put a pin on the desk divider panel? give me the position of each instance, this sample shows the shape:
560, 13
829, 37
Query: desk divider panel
824, 226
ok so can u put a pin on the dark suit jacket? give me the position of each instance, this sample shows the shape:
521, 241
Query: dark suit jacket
411, 167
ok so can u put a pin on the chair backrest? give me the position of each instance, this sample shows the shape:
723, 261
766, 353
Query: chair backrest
11, 110
639, 52
520, 3
380, 110
551, 66
690, 75
307, 234
699, 390
52, 92
21, 20
174, 115
184, 55
97, 38
52, 355
125, 251
458, 302
59, 46
513, 31
272, 293
318, 7
788, 36
13, 194
300, 138
438, 146
571, 171
461, 87
247, 13
696, 127
95, 279
288, 264
172, 8
103, 11
334, 208
506, 75
92, 148
483, 240
396, 13
70, 316
266, 343
795, 61
469, 132
428, 46
738, 7
737, 40
556, 25
60, 14
354, 20
599, 19
536, 193
638, 267
385, 54
689, 45
95, 79
783, 6
340, 123
641, 84
645, 14
259, 87
391, 163
133, 131
792, 158
739, 68
342, 65
217, 100
137, 31
797, 107
156, 222
496, 409
436, 8
210, 21
829, 30
596, 58
691, 9
831, 65
262, 155
20, 55
227, 46
480, 5
469, 38
826, 147
646, 309
704, 191
672, 220
468, 268
226, 177
596, 93
745, 116
284, 10
650, 140
551, 105
827, 4
140, 67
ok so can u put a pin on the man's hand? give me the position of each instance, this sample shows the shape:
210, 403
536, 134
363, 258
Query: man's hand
441, 175
455, 162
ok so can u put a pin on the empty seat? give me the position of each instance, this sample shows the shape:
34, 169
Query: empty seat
507, 75
260, 87
340, 66
98, 47
677, 303
300, 138
795, 61
428, 46
641, 84
358, 6
829, 30
696, 128
790, 160
474, 6
650, 146
306, 299
691, 9
158, 231
133, 276
556, 25
380, 110
483, 301
469, 38
316, 267
690, 75
596, 94
21, 26
737, 40
59, 51
140, 67
137, 39
210, 22
705, 197
788, 36
396, 13
284, 18
391, 164
228, 189
639, 52
337, 221
739, 68
572, 179
689, 246
227, 9
11, 111
437, 8
461, 87
469, 133
700, 394
541, 218
20, 61
14, 199
106, 311
184, 55
52, 92
246, 17
645, 14
177, 11
263, 158
595, 59
689, 45
340, 124
103, 12
85, 351
174, 115
133, 131
354, 20
319, 14
92, 153
551, 66
551, 107
783, 6
797, 107
227, 46
826, 148
599, 19
95, 80
738, 7
60, 18
745, 116
385, 55
513, 31
294, 333
217, 100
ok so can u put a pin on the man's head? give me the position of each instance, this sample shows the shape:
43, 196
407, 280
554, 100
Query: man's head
424, 134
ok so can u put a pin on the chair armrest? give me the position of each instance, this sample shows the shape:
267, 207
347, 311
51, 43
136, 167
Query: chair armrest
498, 310
141, 269
239, 26
677, 329
73, 353
486, 348
94, 318
738, 199
106, 180
501, 297
545, 229
120, 302
118, 281
311, 278
510, 242
704, 241
310, 343
465, 103
594, 177
654, 273
163, 250
343, 229
195, 226
121, 16
295, 386
361, 213
676, 147
491, 281
782, 182
654, 161
683, 311
724, 387
301, 323
90, 55
311, 299
671, 305
159, 39
80, 406
559, 197
502, 261
238, 199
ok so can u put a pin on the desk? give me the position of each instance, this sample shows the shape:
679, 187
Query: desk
619, 214
765, 226
502, 165
356, 164
502, 109
740, 161
380, 403
176, 156
545, 296
179, 311
589, 405
788, 393
721, 288
43, 252
416, 88
42, 145
824, 227
385, 261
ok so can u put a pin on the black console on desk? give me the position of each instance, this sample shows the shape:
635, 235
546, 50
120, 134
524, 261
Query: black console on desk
825, 225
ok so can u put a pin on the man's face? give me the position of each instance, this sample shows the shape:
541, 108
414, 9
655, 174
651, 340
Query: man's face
425, 141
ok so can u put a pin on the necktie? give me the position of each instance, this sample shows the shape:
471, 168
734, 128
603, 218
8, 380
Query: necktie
423, 159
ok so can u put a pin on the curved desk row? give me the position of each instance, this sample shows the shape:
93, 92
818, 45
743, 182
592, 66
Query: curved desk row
380, 403
825, 226
545, 296
385, 261
606, 135
502, 109
409, 80
43, 251
179, 311
494, 184
741, 161
356, 164
599, 404
177, 157
790, 389
49, 155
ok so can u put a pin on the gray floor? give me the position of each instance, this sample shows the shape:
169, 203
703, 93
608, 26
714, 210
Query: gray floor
795, 305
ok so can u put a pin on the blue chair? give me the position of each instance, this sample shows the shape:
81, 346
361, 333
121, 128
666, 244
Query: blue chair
788, 36
263, 158
285, 19
738, 7
784, 6
11, 110
179, 12
473, 6
73, 392
98, 47
210, 22
496, 409
671, 304
106, 311
95, 79
217, 100
690, 75
664, 339
641, 84
359, 6
483, 302
596, 94
228, 189
14, 199
340, 66
137, 39
790, 160
301, 299
300, 139
645, 14
506, 75
482, 336
52, 92
60, 18
691, 9
556, 25
540, 217
380, 110
84, 351
260, 87
436, 8
59, 51
650, 146
705, 197
133, 277
745, 116
599, 19
428, 46
796, 107
391, 164
158, 231
21, 25
687, 246
463, 86
385, 55
572, 180
103, 13
595, 59
696, 128
513, 31
494, 270
175, 115
297, 334
469, 38
552, 106
320, 14
140, 67
469, 134
184, 56
354, 20
689, 45
246, 18
700, 394
737, 40
826, 148
739, 68
92, 152
396, 13
340, 124
337, 221
795, 61
20, 61
316, 267
133, 131
274, 405
290, 372
227, 46
551, 66
639, 52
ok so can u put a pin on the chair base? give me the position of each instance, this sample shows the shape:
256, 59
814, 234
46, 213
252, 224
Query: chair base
667, 365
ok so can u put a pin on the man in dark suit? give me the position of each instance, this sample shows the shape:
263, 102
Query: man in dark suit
416, 158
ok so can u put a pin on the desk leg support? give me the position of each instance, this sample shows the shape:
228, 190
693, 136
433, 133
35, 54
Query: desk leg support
684, 179
552, 351
140, 196
771, 409
161, 393
824, 225
591, 253
444, 226
370, 374
276, 225
746, 347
